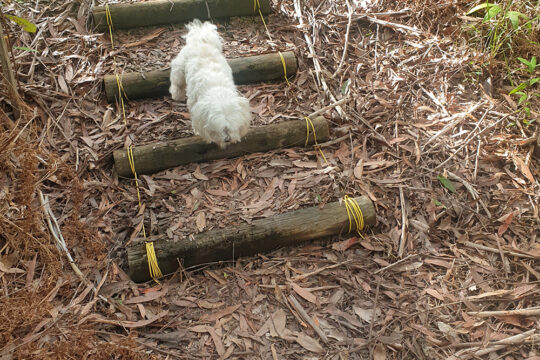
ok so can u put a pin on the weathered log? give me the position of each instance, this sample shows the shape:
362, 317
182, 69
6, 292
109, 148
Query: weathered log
161, 12
245, 70
288, 229
163, 155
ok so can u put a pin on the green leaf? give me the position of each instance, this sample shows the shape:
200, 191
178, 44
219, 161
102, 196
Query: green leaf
437, 202
525, 61
492, 12
522, 98
446, 183
24, 48
25, 24
514, 19
520, 87
479, 7
345, 87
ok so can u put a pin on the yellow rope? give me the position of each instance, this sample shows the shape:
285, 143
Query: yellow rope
108, 16
308, 124
354, 213
257, 6
153, 266
284, 68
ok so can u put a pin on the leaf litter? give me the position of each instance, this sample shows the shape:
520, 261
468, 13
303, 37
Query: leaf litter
455, 187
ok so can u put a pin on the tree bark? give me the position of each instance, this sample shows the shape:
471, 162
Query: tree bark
246, 70
161, 12
288, 229
163, 155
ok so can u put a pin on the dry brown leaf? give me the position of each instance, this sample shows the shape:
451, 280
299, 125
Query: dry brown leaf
345, 244
210, 305
523, 168
305, 164
219, 314
146, 38
220, 349
126, 324
365, 314
198, 175
379, 352
519, 321
200, 220
308, 343
145, 298
278, 323
435, 294
305, 293
502, 229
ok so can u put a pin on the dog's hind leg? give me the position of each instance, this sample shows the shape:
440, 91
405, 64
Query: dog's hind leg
178, 78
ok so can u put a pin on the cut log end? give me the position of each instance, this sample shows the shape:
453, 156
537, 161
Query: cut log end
288, 229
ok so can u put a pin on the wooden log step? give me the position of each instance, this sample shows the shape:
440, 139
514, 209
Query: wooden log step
162, 12
163, 155
262, 235
246, 70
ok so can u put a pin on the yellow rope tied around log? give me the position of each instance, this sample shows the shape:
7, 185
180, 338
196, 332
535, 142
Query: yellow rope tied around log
257, 7
153, 267
308, 123
119, 85
354, 213
284, 68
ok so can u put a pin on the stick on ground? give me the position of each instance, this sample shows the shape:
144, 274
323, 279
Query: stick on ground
262, 235
161, 12
248, 69
163, 155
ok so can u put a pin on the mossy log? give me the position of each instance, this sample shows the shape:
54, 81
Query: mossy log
162, 12
262, 235
163, 155
246, 70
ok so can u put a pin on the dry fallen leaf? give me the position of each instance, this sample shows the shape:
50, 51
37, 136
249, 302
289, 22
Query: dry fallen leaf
308, 343
379, 352
200, 221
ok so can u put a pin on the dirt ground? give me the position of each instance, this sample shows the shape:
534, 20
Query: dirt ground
429, 134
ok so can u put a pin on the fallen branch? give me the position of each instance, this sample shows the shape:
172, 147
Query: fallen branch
161, 12
163, 155
307, 318
493, 250
54, 229
262, 235
522, 312
496, 345
246, 70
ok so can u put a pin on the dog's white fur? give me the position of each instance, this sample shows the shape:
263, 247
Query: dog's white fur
219, 113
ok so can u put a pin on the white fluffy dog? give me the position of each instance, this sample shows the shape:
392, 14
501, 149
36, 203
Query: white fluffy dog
219, 113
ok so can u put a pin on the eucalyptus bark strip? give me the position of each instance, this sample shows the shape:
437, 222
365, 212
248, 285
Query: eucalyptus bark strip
162, 12
163, 155
246, 70
262, 235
